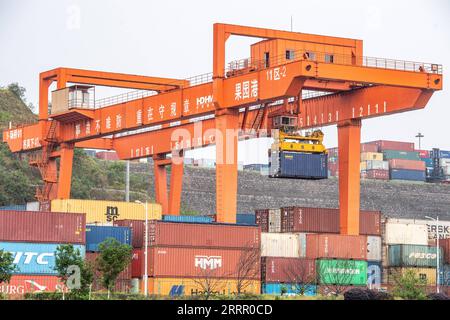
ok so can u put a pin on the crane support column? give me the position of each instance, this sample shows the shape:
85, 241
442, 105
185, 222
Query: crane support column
161, 182
65, 171
176, 185
227, 125
349, 138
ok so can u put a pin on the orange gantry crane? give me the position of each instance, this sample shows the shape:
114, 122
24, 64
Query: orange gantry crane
169, 116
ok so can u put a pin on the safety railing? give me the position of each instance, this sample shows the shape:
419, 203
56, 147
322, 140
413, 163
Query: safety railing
124, 97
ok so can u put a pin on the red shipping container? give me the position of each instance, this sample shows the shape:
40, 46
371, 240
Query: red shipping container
333, 152
325, 220
162, 233
262, 219
394, 145
137, 231
445, 245
288, 270
123, 283
44, 227
200, 262
377, 174
21, 284
136, 263
423, 153
369, 147
407, 164
107, 155
336, 246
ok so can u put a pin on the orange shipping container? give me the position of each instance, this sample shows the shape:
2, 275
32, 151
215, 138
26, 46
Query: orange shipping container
336, 246
407, 164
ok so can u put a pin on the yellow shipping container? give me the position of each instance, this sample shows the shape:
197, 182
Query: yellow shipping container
106, 212
365, 156
363, 165
189, 286
428, 274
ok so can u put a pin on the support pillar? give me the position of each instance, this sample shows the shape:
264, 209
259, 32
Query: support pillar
176, 185
65, 171
349, 139
160, 183
227, 126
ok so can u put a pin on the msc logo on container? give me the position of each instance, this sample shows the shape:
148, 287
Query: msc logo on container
205, 262
28, 257
112, 213
422, 255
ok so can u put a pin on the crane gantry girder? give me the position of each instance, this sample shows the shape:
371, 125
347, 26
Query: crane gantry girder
204, 113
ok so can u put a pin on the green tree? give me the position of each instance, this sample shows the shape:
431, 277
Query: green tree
17, 90
72, 269
114, 257
7, 266
409, 286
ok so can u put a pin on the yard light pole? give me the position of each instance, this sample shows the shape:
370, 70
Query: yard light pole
420, 136
437, 250
145, 248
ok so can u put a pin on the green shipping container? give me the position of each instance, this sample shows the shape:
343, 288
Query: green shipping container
409, 255
341, 272
396, 154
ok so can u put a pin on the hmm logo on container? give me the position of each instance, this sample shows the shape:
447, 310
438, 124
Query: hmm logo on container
206, 262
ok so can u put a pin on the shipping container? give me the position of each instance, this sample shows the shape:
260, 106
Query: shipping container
377, 165
246, 219
407, 255
396, 154
369, 147
97, 234
373, 248
407, 164
201, 262
374, 274
196, 287
99, 211
333, 290
19, 285
283, 245
48, 227
427, 274
442, 154
428, 162
341, 272
163, 233
445, 245
35, 258
136, 263
137, 228
107, 155
262, 219
123, 281
377, 174
363, 165
336, 246
278, 269
443, 230
274, 220
444, 162
33, 206
333, 152
187, 218
423, 153
288, 289
365, 156
14, 207
411, 175
444, 277
299, 165
405, 233
394, 145
325, 220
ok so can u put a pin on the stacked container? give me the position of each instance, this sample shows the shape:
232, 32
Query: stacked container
33, 239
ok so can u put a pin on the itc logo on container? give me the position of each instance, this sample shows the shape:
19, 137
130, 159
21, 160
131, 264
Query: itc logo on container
208, 262
28, 257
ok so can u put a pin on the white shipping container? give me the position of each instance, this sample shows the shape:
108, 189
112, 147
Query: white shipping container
445, 162
405, 233
373, 248
32, 206
444, 226
288, 245
274, 220
446, 170
377, 165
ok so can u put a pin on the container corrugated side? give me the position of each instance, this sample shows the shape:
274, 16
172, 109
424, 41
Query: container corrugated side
163, 233
336, 246
394, 145
283, 245
427, 274
377, 165
14, 207
377, 174
341, 272
97, 234
289, 289
410, 175
245, 218
373, 248
35, 258
303, 165
366, 156
201, 262
137, 231
407, 164
413, 256
298, 270
187, 218
48, 227
123, 281
396, 154
136, 263
443, 229
445, 245
374, 274
262, 219
195, 287
274, 220
22, 284
99, 211
405, 233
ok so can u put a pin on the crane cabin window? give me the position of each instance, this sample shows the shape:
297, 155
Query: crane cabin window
290, 54
310, 55
266, 59
329, 58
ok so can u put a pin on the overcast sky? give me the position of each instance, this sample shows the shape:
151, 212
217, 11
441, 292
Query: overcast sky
174, 39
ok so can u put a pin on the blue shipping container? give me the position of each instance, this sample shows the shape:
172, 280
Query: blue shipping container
374, 273
192, 219
14, 207
303, 165
289, 289
444, 277
245, 218
413, 175
428, 162
97, 234
35, 258
442, 154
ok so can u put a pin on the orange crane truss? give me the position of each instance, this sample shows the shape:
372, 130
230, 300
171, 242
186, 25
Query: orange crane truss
177, 115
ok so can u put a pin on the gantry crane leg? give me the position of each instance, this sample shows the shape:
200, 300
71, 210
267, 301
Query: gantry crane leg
176, 185
349, 138
65, 171
227, 125
160, 182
